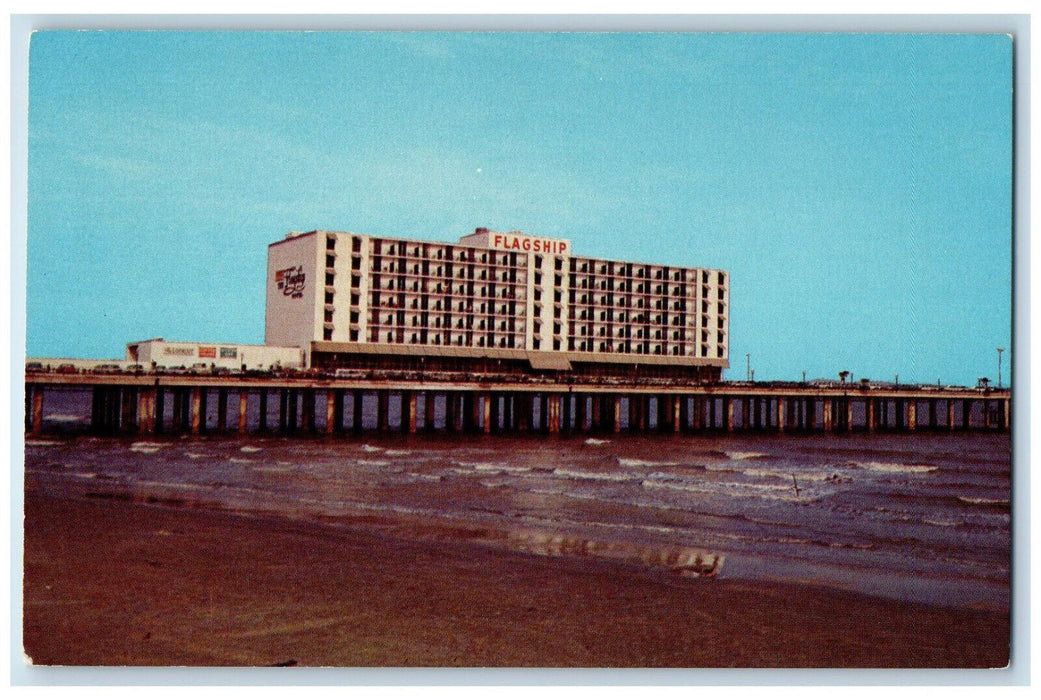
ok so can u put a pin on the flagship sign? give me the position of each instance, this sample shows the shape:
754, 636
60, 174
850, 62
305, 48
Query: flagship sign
529, 244
291, 281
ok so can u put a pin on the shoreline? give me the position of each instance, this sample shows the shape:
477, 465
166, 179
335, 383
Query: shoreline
112, 582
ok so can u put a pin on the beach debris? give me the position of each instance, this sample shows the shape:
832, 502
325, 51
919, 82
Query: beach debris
796, 485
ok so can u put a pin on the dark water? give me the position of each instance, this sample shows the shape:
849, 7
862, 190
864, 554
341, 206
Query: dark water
915, 517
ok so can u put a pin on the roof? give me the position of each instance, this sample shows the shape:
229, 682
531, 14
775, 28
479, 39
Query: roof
549, 360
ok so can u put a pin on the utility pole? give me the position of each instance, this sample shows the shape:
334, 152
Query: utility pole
1000, 350
748, 365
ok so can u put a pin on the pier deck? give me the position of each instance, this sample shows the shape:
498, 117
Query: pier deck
155, 403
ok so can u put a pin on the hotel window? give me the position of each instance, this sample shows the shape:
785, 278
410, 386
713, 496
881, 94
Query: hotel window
327, 334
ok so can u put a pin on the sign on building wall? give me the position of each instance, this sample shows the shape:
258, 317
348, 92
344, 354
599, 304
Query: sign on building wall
528, 244
179, 351
229, 352
291, 281
205, 351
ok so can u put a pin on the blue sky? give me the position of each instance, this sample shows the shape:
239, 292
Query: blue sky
856, 186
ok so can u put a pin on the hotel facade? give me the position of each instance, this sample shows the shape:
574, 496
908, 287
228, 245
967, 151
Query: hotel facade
493, 303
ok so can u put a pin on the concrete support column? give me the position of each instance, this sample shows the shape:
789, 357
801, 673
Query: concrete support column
330, 411
782, 413
828, 425
596, 409
616, 426
383, 410
950, 414
177, 409
339, 404
308, 413
197, 417
263, 411
451, 411
358, 410
728, 412
1006, 413
160, 408
849, 414
243, 411
283, 410
293, 405
97, 409
581, 412
869, 415
146, 409
494, 416
509, 412
409, 403
554, 413
36, 411
128, 409
486, 413
677, 417
429, 410
912, 414
222, 409
986, 414
522, 411
473, 411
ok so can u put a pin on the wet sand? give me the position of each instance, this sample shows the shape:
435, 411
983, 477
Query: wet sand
110, 582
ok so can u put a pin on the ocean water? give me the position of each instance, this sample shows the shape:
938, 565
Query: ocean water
919, 517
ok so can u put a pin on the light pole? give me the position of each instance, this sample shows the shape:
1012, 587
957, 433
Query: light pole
1000, 350
748, 365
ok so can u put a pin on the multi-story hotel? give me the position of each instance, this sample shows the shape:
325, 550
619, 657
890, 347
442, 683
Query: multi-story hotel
493, 302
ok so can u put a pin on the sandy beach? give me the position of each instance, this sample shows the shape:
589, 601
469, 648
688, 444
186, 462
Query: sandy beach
110, 582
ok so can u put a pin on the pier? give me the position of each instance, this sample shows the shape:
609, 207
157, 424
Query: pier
193, 404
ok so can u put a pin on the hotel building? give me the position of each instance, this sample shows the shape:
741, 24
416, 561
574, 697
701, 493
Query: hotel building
493, 303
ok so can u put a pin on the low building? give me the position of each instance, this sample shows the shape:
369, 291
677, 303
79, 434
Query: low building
161, 353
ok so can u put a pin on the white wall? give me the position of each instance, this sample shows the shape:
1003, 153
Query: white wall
291, 320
